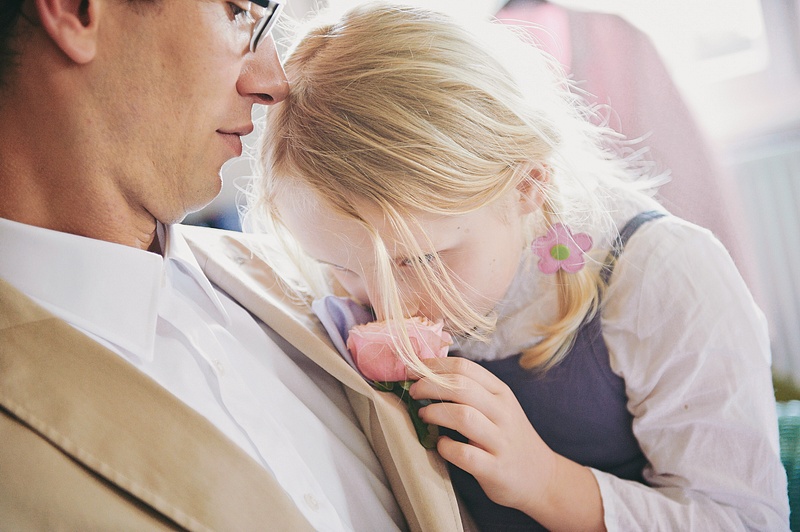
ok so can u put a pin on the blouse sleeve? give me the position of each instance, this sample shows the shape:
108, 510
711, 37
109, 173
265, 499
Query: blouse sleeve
693, 348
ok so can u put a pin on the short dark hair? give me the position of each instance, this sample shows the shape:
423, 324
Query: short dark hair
9, 15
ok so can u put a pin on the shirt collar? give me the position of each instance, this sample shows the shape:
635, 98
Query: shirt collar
178, 253
108, 290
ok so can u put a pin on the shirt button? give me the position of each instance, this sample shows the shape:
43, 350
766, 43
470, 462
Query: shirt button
219, 367
311, 501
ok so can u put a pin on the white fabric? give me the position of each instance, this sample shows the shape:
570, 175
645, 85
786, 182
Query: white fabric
693, 348
169, 321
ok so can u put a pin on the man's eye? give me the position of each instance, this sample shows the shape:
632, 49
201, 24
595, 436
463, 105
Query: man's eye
238, 11
427, 258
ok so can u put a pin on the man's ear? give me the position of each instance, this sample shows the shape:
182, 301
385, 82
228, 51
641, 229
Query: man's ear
72, 24
531, 189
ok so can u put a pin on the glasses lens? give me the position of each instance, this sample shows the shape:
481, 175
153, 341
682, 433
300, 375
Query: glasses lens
272, 11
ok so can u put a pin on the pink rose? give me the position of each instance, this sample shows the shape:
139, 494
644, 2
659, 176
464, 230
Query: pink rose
375, 354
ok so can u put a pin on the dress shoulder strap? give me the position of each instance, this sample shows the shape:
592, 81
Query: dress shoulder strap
622, 238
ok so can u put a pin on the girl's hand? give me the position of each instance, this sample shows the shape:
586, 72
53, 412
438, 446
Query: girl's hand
504, 452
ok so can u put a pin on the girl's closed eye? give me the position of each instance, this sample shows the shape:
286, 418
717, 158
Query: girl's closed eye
427, 258
341, 269
337, 268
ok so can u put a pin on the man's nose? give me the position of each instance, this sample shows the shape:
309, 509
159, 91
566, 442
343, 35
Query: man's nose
263, 76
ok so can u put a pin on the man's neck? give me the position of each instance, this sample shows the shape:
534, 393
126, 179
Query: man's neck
86, 216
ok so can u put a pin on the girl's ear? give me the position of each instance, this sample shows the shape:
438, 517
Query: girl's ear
72, 25
531, 190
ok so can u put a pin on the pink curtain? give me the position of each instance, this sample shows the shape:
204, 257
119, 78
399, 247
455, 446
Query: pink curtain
619, 65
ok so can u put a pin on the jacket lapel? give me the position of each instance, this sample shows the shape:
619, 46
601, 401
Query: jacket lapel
114, 420
418, 477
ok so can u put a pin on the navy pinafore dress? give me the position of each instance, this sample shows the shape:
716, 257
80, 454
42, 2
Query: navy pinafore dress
578, 407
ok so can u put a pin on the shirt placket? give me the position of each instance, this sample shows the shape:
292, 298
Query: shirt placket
270, 439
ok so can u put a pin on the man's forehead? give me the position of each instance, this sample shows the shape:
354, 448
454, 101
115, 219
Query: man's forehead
260, 7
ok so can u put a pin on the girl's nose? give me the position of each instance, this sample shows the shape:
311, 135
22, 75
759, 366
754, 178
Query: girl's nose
409, 302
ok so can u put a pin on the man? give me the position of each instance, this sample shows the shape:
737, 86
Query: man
151, 375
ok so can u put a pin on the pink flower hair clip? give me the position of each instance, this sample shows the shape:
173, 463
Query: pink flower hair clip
560, 249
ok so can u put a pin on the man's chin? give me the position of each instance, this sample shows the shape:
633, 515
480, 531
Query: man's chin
204, 199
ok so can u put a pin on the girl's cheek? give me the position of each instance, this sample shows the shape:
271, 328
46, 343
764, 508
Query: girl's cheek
354, 287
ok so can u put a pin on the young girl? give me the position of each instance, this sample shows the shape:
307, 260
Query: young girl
430, 168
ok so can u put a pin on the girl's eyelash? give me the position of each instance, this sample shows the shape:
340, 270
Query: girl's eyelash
339, 268
428, 257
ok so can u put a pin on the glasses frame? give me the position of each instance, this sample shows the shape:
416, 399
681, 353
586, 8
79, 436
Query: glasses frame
266, 23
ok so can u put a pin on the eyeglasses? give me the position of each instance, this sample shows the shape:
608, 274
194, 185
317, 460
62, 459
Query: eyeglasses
272, 11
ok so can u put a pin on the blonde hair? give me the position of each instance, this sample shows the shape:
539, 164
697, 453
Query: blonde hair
407, 110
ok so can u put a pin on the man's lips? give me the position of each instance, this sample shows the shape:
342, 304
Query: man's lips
233, 136
234, 141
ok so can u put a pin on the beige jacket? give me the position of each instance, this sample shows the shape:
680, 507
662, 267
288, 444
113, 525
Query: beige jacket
87, 442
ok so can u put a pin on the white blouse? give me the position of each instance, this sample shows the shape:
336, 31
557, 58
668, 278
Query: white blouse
684, 333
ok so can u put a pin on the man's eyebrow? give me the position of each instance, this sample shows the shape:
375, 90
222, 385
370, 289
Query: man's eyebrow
263, 5
257, 10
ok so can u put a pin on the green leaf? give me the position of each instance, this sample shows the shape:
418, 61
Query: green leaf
427, 434
384, 386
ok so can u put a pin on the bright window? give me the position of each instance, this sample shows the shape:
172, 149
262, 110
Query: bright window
706, 41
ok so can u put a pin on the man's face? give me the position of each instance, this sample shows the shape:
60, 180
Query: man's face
177, 84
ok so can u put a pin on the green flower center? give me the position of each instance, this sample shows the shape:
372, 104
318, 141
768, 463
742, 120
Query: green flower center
559, 252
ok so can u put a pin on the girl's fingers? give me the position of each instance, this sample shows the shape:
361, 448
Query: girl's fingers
466, 420
469, 369
457, 389
466, 383
471, 459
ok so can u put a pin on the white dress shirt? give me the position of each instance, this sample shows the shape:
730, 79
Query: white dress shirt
164, 316
684, 333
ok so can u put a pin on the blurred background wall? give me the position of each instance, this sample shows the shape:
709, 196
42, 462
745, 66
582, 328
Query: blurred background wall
714, 86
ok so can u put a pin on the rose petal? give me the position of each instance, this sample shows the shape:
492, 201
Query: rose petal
375, 354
